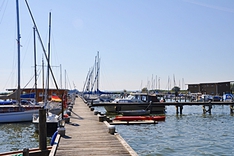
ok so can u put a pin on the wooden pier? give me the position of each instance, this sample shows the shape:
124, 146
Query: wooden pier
206, 106
86, 135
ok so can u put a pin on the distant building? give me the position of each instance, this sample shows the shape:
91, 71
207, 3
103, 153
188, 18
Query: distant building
218, 88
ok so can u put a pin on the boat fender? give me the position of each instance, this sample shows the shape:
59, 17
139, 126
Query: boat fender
53, 138
65, 115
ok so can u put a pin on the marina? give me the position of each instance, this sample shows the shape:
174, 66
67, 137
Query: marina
139, 108
173, 136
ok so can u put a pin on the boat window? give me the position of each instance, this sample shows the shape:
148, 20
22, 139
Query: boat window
143, 98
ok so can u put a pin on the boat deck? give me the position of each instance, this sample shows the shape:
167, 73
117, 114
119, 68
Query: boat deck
85, 135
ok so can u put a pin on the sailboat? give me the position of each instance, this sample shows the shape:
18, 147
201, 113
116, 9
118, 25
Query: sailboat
52, 119
89, 93
17, 112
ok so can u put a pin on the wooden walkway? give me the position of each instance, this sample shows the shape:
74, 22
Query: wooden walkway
85, 135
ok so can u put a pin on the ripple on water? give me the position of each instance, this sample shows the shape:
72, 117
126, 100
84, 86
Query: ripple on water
189, 134
17, 136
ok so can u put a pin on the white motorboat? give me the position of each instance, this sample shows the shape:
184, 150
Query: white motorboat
136, 101
52, 121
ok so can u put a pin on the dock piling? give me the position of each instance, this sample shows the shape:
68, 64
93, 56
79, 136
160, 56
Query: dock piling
42, 129
181, 108
209, 108
25, 152
231, 109
102, 118
111, 129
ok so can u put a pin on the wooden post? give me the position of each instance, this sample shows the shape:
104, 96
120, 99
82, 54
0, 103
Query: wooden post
177, 111
181, 108
231, 109
25, 152
63, 100
210, 107
204, 109
42, 130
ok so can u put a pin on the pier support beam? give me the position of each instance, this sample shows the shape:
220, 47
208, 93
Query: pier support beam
231, 109
209, 109
177, 109
25, 152
42, 130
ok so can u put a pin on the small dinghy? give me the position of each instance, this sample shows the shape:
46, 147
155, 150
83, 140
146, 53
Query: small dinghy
137, 118
135, 112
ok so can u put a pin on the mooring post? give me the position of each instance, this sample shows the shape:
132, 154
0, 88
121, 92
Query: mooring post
25, 152
181, 108
231, 109
204, 109
210, 107
177, 111
42, 129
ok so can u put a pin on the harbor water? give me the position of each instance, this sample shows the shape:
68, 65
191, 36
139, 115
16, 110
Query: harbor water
192, 133
17, 136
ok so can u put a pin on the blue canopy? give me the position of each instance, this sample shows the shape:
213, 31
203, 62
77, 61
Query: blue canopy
28, 96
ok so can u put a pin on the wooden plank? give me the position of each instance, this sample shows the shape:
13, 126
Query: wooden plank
32, 151
85, 135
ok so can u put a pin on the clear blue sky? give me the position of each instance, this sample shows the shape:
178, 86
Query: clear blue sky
189, 41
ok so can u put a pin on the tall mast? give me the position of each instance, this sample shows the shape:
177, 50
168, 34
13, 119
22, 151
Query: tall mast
48, 62
43, 78
35, 64
18, 45
98, 70
61, 82
39, 37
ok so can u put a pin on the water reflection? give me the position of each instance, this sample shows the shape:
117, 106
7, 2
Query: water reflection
192, 133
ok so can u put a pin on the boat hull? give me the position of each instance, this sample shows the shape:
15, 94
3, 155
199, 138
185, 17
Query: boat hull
113, 108
50, 126
51, 123
135, 112
137, 118
21, 116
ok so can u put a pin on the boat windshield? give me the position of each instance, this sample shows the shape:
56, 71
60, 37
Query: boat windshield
130, 97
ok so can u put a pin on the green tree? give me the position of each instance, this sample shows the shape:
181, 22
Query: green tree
176, 90
144, 90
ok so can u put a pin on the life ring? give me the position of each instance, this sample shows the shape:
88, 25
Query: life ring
53, 138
